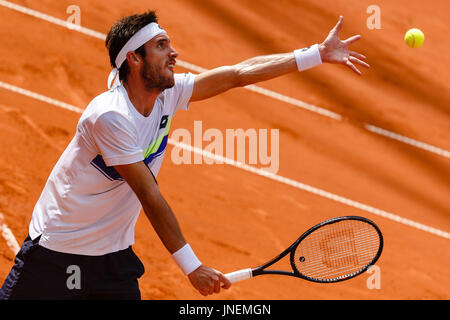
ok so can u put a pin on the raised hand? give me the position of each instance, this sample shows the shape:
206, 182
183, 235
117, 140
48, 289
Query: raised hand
334, 50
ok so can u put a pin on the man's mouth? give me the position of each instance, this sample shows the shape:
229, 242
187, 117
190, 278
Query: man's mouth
172, 64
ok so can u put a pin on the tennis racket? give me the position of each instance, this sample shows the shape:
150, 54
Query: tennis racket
335, 250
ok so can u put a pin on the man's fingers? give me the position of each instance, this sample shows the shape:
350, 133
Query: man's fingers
217, 286
224, 280
357, 55
352, 66
356, 60
208, 281
338, 26
351, 40
209, 287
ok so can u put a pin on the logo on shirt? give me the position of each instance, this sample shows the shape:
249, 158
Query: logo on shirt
154, 150
164, 121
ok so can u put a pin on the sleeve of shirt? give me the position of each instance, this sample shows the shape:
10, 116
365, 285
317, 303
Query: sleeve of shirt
183, 88
116, 139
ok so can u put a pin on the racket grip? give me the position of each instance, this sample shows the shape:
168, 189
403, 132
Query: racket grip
239, 275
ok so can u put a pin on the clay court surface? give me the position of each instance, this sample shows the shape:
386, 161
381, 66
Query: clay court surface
233, 218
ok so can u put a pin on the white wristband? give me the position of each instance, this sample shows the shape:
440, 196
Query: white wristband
307, 58
186, 259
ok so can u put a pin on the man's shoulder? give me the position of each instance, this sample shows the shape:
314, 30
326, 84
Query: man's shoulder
110, 103
111, 98
181, 78
181, 82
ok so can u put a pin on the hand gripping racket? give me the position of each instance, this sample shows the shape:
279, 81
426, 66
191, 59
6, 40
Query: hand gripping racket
334, 250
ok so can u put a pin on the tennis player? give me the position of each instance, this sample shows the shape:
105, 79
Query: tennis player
82, 227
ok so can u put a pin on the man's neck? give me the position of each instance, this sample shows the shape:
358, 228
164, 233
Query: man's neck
141, 98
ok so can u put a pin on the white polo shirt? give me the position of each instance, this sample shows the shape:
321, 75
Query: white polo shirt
86, 207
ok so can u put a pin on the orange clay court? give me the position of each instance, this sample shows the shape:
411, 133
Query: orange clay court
234, 218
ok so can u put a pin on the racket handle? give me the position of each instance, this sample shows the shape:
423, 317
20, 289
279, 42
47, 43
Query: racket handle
239, 275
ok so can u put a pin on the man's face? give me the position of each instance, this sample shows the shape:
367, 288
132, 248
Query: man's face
157, 71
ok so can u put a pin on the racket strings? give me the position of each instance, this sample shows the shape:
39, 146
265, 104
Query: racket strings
337, 250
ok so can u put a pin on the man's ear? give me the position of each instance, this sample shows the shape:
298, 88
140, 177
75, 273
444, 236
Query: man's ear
133, 58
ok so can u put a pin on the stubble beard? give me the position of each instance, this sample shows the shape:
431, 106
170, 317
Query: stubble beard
155, 80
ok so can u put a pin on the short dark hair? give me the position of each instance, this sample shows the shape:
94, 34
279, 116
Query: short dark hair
121, 32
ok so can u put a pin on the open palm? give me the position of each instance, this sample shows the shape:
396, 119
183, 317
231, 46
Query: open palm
334, 50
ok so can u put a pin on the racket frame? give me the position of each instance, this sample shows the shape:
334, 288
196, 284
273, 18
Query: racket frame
261, 269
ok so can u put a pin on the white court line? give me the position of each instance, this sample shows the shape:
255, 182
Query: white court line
8, 236
406, 140
261, 172
53, 20
253, 88
39, 97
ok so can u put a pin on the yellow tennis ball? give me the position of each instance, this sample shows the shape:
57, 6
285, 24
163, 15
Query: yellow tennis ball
414, 38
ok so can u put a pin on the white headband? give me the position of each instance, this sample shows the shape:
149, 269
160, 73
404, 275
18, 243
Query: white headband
147, 33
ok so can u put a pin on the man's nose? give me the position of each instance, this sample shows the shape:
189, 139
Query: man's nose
173, 53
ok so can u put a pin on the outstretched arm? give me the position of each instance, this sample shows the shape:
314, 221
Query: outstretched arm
262, 68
